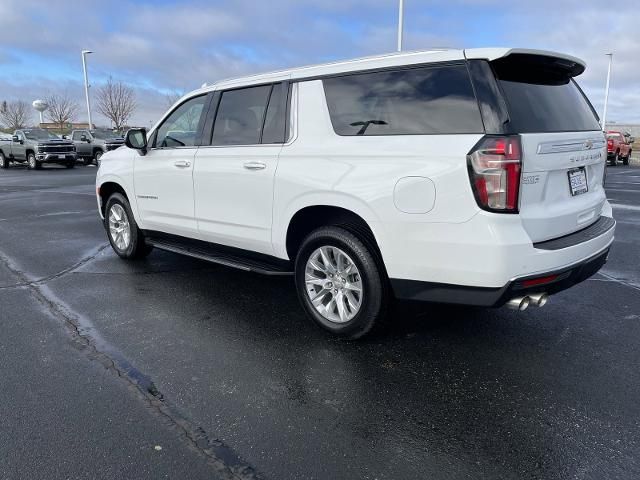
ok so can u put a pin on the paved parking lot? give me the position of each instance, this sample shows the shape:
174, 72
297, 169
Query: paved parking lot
174, 368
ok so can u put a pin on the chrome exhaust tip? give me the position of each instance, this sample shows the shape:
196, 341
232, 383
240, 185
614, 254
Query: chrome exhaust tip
539, 299
518, 303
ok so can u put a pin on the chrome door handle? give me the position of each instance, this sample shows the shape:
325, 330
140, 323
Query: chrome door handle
255, 166
182, 163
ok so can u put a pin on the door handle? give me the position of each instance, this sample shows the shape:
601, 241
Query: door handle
182, 163
255, 166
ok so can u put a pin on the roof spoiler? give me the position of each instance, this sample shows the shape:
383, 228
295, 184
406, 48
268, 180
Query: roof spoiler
567, 65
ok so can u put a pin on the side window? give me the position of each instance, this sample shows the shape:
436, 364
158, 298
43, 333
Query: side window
275, 121
181, 127
76, 136
416, 101
240, 116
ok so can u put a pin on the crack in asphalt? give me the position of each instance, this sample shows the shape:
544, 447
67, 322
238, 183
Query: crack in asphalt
626, 283
48, 278
225, 462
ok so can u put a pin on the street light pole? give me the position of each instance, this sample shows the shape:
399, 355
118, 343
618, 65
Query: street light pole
400, 23
606, 93
86, 85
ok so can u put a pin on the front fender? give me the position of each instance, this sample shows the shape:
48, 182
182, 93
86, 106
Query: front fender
126, 186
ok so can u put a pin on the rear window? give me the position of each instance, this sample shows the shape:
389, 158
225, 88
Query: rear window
543, 99
417, 101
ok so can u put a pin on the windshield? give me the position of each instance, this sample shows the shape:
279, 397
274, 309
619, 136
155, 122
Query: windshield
104, 134
40, 135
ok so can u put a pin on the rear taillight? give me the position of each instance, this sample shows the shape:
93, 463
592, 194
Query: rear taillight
494, 170
609, 144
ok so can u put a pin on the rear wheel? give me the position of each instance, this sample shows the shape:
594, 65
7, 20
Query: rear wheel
339, 282
614, 160
124, 235
88, 161
32, 163
98, 156
4, 161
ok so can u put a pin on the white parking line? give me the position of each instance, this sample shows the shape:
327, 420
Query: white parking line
66, 193
626, 190
623, 206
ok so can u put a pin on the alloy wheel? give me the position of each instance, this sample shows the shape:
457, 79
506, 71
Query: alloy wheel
334, 285
119, 227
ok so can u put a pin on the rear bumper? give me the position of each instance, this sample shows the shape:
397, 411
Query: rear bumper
496, 297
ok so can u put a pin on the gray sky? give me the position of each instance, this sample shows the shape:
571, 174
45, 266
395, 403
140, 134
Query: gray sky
168, 45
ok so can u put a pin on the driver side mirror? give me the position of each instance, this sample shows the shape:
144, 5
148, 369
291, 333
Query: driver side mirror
16, 139
83, 138
136, 138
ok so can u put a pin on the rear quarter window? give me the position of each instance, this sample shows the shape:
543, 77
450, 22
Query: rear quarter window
416, 101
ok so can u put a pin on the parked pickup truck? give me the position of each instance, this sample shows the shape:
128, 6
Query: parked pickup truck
618, 147
92, 144
35, 146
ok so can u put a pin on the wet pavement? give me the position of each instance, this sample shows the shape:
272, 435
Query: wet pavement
102, 361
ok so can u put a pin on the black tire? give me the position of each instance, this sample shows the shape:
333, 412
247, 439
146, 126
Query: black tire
137, 248
71, 164
625, 160
98, 156
88, 161
4, 161
375, 290
32, 163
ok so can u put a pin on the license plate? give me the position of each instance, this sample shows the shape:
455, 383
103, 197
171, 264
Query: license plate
578, 181
62, 157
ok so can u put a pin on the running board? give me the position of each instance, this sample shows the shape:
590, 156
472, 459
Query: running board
221, 256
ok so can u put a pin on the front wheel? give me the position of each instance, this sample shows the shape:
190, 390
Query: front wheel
339, 282
32, 163
625, 160
71, 164
124, 235
4, 161
98, 156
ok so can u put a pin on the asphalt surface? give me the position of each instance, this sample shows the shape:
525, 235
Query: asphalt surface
175, 368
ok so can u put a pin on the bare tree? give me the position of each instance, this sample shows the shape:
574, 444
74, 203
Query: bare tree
117, 102
15, 115
172, 98
62, 109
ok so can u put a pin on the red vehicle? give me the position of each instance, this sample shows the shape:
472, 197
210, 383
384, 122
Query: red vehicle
618, 148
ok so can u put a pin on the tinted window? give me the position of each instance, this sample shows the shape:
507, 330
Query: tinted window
77, 135
103, 134
542, 96
240, 116
547, 108
39, 134
428, 100
181, 127
274, 123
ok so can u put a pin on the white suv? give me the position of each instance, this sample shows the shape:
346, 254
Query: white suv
460, 176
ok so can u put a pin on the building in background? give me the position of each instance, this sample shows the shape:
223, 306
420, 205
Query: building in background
68, 126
